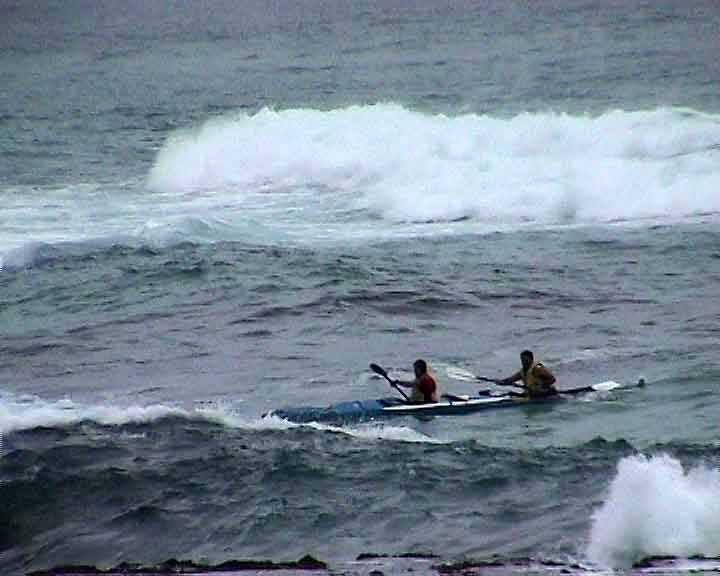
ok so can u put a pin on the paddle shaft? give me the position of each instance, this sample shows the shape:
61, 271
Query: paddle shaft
596, 388
569, 391
381, 371
499, 382
580, 390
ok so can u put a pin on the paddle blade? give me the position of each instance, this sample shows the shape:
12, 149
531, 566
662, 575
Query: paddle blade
599, 387
606, 386
379, 370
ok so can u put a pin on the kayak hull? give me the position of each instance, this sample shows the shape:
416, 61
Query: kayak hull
393, 407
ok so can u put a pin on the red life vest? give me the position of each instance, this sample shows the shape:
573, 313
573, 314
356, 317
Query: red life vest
427, 386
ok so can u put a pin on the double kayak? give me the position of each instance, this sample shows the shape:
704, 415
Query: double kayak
448, 405
388, 407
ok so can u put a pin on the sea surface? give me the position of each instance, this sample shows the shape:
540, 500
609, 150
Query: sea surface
209, 210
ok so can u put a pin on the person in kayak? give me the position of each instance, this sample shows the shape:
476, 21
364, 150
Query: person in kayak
537, 380
424, 387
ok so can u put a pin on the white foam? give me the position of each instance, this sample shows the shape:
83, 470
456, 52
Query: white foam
29, 412
381, 172
365, 431
386, 431
655, 507
408, 166
20, 256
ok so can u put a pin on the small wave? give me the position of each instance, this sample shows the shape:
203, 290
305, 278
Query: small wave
654, 508
383, 431
363, 431
34, 254
28, 412
27, 255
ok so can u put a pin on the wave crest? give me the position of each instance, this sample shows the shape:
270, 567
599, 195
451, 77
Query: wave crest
407, 166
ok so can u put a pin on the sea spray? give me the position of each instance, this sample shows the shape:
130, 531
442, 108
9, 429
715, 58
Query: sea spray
408, 166
28, 412
656, 507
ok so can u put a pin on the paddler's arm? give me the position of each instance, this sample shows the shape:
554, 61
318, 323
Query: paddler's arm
510, 380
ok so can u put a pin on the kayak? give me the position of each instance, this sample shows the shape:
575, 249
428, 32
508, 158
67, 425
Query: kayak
448, 405
388, 407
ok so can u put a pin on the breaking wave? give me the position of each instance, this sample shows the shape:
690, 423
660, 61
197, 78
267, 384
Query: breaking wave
655, 507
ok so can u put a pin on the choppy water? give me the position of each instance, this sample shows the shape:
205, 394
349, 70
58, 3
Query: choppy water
209, 211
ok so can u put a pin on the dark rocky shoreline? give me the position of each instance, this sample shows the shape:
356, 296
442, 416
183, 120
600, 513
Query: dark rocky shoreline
173, 566
371, 564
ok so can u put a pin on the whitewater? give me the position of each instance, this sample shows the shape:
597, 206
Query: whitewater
657, 507
210, 212
383, 171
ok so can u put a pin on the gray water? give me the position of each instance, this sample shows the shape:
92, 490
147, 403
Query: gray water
211, 210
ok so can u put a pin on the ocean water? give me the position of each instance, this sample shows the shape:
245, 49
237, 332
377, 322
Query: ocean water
211, 210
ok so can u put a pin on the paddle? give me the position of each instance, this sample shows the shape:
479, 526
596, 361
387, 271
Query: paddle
381, 371
498, 382
600, 387
462, 374
465, 398
492, 380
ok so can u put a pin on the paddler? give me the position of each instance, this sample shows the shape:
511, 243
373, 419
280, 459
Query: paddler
537, 380
424, 387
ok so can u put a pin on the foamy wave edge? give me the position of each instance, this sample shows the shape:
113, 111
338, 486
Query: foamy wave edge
362, 431
29, 412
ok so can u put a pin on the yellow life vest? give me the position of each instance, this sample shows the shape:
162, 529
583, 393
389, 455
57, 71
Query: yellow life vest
533, 384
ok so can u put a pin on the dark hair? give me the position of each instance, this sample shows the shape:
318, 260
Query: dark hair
421, 364
527, 353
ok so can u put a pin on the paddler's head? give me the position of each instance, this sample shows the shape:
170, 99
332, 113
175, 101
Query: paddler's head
420, 367
526, 357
